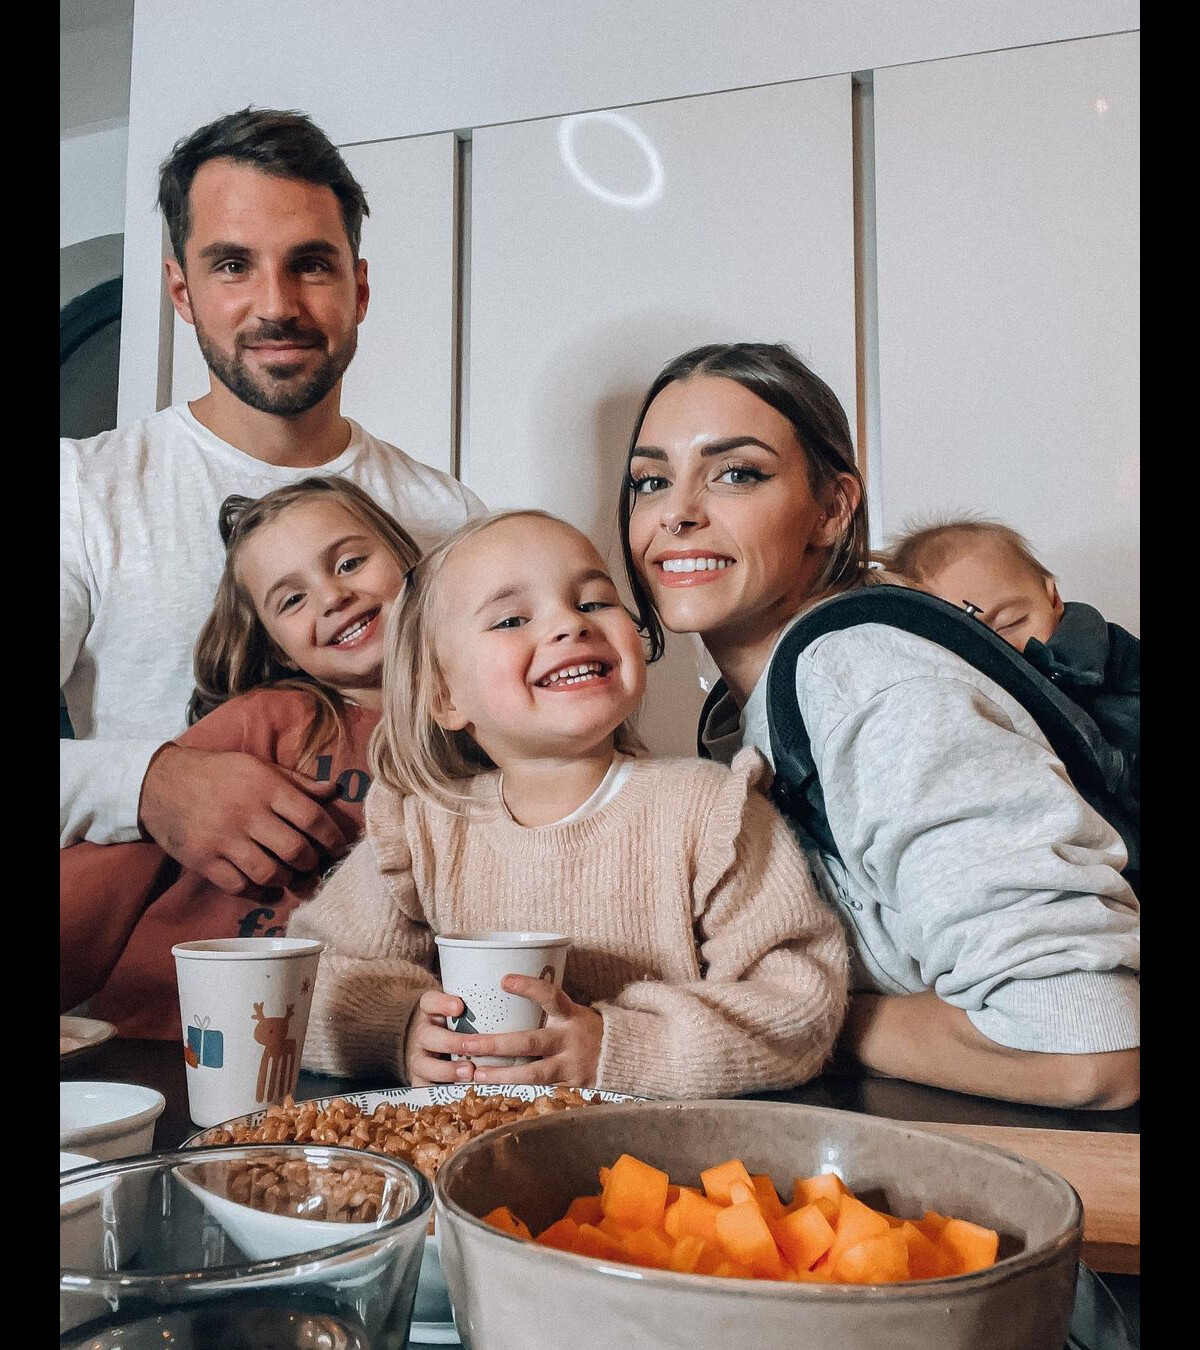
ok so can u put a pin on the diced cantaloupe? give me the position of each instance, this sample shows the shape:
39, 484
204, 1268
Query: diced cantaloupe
636, 1193
974, 1245
768, 1197
807, 1189
882, 1259
739, 1193
743, 1233
585, 1209
717, 1180
739, 1228
507, 1222
593, 1241
855, 1221
562, 1235
687, 1253
803, 1236
692, 1215
926, 1260
645, 1247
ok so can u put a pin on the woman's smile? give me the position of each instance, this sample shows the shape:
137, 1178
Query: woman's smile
690, 567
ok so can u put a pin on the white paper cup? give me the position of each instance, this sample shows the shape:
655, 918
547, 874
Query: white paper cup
473, 964
244, 1007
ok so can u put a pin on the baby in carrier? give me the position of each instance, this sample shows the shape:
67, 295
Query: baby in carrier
990, 570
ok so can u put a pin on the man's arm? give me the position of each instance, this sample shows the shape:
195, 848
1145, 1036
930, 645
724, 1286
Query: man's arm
98, 787
99, 782
238, 819
922, 1039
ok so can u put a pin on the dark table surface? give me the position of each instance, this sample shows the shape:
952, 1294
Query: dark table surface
159, 1064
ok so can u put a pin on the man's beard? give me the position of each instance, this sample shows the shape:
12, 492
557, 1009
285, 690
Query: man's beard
273, 391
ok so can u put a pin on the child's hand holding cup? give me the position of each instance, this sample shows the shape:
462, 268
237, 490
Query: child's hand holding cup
474, 963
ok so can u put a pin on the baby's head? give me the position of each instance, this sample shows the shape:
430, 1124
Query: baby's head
987, 567
311, 572
511, 644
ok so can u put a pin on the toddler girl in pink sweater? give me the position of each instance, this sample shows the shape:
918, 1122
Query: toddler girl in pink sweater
509, 792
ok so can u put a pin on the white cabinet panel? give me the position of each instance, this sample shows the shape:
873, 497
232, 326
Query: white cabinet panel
399, 385
604, 245
1008, 253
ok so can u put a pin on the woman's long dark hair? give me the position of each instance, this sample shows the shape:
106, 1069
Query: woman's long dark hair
774, 373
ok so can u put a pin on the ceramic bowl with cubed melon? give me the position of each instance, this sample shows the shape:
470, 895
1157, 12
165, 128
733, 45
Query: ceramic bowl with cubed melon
677, 1224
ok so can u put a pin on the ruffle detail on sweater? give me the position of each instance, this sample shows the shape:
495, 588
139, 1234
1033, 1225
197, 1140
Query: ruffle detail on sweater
382, 809
749, 772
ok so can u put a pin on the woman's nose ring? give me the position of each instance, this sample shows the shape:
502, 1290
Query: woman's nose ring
676, 529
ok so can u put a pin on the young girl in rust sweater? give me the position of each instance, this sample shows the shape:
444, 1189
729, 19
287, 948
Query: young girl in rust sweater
505, 796
288, 668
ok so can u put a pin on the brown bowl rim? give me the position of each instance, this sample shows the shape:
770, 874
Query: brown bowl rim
801, 1291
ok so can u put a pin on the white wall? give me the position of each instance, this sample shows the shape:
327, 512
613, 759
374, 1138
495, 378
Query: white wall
91, 173
996, 323
94, 53
367, 71
584, 281
1011, 223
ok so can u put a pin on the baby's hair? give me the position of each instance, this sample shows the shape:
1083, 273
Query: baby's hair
924, 549
409, 750
234, 653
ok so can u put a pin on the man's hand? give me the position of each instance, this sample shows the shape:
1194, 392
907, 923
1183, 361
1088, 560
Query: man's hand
239, 822
565, 1049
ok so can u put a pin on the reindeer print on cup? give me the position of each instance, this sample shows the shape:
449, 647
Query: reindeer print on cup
278, 1070
258, 992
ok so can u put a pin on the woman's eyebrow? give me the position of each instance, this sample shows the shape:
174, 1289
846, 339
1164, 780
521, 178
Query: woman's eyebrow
720, 447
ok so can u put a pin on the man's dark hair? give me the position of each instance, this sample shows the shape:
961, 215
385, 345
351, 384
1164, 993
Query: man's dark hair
286, 144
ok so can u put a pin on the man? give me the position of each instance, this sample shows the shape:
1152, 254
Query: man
265, 221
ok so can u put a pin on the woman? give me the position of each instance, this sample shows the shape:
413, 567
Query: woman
996, 940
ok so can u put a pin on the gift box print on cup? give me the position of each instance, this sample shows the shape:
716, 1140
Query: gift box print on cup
204, 1045
474, 963
244, 1005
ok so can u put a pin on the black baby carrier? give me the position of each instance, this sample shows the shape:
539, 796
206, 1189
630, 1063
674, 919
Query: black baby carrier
1100, 771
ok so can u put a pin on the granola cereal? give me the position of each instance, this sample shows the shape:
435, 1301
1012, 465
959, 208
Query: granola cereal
424, 1136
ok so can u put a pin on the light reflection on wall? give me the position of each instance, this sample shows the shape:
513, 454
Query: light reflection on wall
632, 200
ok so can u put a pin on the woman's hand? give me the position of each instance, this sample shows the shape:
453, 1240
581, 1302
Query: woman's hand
428, 1043
564, 1049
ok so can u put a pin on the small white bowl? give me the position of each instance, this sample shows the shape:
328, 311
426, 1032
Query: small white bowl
69, 1161
107, 1120
79, 1217
267, 1237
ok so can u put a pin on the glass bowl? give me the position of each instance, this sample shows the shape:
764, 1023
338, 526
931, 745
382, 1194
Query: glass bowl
253, 1247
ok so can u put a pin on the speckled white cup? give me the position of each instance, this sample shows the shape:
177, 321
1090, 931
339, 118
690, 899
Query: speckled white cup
474, 963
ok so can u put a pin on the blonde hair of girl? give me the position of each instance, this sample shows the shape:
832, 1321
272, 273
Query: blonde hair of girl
234, 653
409, 751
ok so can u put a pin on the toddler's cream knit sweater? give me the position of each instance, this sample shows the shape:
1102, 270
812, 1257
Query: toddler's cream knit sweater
696, 930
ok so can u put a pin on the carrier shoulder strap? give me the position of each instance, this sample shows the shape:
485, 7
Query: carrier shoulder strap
1092, 764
